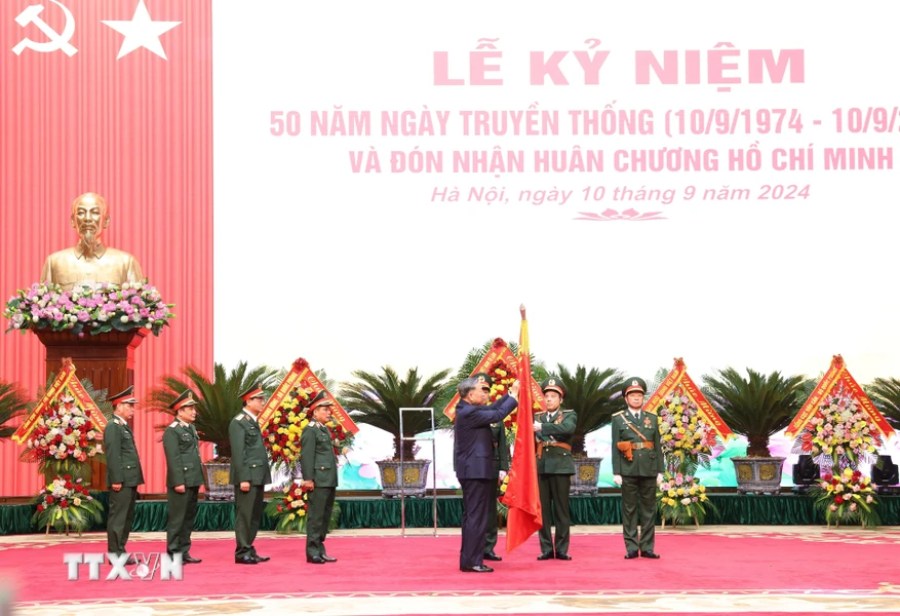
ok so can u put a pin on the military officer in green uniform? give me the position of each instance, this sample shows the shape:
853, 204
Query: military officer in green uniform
637, 467
249, 474
123, 472
553, 430
501, 465
184, 476
318, 463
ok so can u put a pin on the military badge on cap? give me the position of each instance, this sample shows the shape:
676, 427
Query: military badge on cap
254, 391
185, 399
126, 396
554, 384
483, 378
321, 399
634, 384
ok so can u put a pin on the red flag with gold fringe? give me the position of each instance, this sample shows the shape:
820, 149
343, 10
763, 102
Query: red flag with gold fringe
522, 495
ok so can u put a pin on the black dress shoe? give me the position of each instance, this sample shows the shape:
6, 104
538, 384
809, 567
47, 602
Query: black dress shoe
491, 556
476, 569
546, 556
631, 555
316, 560
261, 559
188, 559
563, 556
245, 560
649, 554
329, 559
131, 561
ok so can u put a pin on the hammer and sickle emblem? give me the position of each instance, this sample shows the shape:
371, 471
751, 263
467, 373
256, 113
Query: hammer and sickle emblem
56, 40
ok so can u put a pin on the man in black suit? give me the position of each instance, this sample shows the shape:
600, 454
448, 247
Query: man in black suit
473, 453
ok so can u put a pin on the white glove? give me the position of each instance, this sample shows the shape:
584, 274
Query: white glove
537, 426
659, 478
502, 475
617, 479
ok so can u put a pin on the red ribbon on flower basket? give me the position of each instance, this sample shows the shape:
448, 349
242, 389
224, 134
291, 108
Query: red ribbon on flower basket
302, 376
837, 375
65, 381
501, 364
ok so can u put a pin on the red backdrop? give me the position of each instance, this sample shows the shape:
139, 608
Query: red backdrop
137, 130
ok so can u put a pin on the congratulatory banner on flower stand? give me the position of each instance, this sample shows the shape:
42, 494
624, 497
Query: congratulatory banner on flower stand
302, 376
838, 377
501, 364
65, 381
681, 384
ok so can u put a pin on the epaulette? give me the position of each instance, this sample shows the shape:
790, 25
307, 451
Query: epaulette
617, 414
242, 417
568, 410
174, 424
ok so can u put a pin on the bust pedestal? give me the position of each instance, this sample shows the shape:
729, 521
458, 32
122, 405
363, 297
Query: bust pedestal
107, 360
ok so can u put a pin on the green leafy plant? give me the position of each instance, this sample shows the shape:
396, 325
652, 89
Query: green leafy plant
376, 399
590, 393
218, 400
13, 404
757, 406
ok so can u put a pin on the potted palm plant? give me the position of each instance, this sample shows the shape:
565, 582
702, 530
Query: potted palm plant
376, 399
13, 404
757, 407
590, 392
218, 401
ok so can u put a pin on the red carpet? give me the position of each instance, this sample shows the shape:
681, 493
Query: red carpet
692, 562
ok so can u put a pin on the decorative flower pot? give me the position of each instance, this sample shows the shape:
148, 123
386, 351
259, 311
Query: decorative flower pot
218, 482
587, 474
758, 475
408, 479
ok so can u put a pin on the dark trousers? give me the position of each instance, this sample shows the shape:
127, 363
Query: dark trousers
321, 504
248, 509
477, 495
491, 534
639, 506
121, 515
182, 513
554, 491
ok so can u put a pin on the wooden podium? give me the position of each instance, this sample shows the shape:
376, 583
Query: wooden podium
107, 360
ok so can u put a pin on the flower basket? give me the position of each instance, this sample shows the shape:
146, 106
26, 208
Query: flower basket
685, 437
289, 509
839, 429
65, 505
282, 433
88, 310
682, 499
63, 441
847, 498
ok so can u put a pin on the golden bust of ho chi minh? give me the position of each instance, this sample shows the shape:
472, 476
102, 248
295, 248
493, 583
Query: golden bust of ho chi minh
90, 262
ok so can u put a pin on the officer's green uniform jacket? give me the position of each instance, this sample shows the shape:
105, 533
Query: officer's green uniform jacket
645, 462
122, 462
181, 445
501, 447
249, 461
555, 460
317, 460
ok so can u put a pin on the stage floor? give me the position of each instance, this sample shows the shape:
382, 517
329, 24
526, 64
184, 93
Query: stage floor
715, 570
